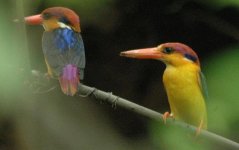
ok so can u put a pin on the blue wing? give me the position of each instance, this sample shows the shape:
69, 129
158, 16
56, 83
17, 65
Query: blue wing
61, 47
203, 84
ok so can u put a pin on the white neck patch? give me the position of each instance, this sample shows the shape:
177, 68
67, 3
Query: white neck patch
62, 25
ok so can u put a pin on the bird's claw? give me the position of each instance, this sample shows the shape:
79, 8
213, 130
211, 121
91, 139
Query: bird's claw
47, 76
167, 115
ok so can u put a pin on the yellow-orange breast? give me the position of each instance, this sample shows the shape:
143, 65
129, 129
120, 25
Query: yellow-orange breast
184, 94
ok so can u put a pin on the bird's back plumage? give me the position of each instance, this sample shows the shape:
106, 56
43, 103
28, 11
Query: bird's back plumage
63, 49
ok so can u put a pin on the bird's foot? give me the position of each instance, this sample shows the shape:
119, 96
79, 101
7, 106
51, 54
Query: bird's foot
40, 82
167, 115
47, 76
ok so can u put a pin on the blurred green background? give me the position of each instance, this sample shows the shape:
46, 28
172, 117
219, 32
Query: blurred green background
51, 120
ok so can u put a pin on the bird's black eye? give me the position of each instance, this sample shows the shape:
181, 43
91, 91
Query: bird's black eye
168, 50
46, 16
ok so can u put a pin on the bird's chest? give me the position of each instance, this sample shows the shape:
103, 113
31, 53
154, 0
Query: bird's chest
181, 84
178, 78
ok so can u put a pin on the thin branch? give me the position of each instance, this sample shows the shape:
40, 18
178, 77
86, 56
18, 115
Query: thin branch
118, 101
115, 101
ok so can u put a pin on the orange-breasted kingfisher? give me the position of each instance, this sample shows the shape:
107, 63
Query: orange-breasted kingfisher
183, 80
62, 46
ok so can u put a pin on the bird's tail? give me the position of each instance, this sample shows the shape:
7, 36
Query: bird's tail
69, 79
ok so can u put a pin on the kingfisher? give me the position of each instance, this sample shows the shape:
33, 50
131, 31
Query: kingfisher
183, 80
62, 45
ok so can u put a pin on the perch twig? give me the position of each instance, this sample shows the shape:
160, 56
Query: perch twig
126, 104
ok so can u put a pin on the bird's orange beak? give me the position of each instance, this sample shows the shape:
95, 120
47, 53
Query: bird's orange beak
146, 53
34, 20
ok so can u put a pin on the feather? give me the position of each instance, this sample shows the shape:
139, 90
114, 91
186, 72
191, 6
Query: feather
61, 47
69, 80
203, 84
65, 57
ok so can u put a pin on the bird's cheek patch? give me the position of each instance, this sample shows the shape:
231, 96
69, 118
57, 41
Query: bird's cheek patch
50, 24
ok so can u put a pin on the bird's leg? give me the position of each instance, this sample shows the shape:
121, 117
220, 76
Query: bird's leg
198, 130
167, 115
49, 73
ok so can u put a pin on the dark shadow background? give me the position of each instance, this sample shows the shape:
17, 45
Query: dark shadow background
55, 121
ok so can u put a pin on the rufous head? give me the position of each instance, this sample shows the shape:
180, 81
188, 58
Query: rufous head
174, 54
56, 17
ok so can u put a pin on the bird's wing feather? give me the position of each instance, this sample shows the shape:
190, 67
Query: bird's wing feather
61, 47
203, 84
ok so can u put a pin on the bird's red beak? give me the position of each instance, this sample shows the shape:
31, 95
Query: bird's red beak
34, 20
146, 53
